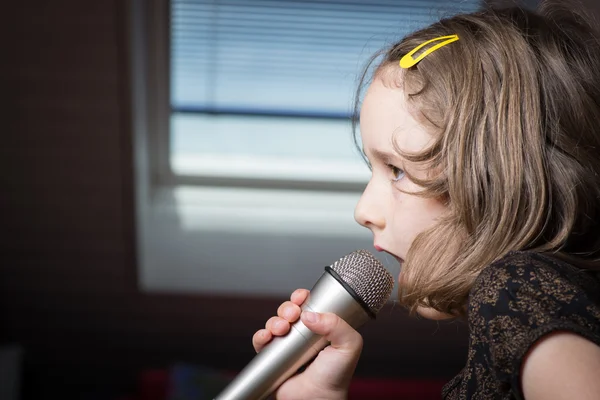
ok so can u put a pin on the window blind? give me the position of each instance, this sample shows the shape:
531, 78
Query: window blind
283, 57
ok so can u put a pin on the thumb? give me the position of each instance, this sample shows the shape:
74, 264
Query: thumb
341, 336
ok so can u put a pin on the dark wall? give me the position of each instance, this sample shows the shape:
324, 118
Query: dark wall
68, 291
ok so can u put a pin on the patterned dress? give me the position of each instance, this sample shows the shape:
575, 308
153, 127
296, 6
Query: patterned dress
513, 303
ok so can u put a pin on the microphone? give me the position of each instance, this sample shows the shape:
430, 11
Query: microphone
355, 288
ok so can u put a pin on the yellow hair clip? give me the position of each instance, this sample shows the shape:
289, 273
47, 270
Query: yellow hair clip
408, 61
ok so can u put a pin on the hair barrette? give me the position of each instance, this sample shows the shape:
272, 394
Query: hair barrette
408, 61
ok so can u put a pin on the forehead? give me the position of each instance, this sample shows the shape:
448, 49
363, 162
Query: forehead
385, 119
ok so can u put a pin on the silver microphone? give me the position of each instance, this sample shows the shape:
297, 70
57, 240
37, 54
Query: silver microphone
355, 288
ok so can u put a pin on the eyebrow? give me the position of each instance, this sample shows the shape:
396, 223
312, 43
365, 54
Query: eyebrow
381, 155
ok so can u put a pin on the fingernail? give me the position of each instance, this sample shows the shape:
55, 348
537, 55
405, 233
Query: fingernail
311, 316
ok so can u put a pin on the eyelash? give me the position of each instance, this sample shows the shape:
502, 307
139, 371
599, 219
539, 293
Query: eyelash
396, 171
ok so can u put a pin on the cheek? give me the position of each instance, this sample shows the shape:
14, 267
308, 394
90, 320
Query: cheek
434, 209
414, 214
431, 211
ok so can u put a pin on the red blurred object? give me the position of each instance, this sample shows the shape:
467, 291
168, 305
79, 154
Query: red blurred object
154, 385
394, 389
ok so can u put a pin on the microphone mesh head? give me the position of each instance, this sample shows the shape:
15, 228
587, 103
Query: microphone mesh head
367, 277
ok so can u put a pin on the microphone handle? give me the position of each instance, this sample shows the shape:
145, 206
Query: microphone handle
284, 355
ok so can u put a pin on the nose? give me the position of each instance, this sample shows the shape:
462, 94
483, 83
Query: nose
369, 211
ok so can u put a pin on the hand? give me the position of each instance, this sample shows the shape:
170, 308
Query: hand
329, 375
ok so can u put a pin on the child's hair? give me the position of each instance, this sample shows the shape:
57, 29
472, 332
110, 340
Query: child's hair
514, 108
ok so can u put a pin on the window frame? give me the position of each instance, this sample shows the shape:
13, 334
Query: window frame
158, 30
176, 242
284, 241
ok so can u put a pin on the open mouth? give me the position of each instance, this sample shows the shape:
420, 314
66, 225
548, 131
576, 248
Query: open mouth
381, 249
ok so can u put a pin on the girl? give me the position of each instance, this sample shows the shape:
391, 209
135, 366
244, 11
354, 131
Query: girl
481, 134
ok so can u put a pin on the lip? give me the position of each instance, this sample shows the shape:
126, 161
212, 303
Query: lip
381, 249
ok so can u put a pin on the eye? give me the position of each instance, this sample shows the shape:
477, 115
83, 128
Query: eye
396, 172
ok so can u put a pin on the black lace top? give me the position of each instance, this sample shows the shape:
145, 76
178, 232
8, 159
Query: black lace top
513, 303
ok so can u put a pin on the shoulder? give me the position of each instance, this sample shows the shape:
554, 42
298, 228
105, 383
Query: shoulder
522, 264
520, 276
574, 377
522, 297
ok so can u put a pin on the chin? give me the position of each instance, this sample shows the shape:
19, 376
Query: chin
433, 314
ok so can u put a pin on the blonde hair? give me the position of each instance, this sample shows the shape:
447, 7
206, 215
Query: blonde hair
514, 106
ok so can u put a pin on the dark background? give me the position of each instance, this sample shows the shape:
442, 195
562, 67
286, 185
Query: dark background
68, 285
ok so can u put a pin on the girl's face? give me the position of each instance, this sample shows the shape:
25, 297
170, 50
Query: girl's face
395, 218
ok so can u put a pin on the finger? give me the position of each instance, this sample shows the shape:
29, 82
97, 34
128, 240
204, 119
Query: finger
299, 296
289, 311
260, 339
340, 335
277, 326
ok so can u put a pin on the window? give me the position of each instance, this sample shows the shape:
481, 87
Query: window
246, 173
262, 90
